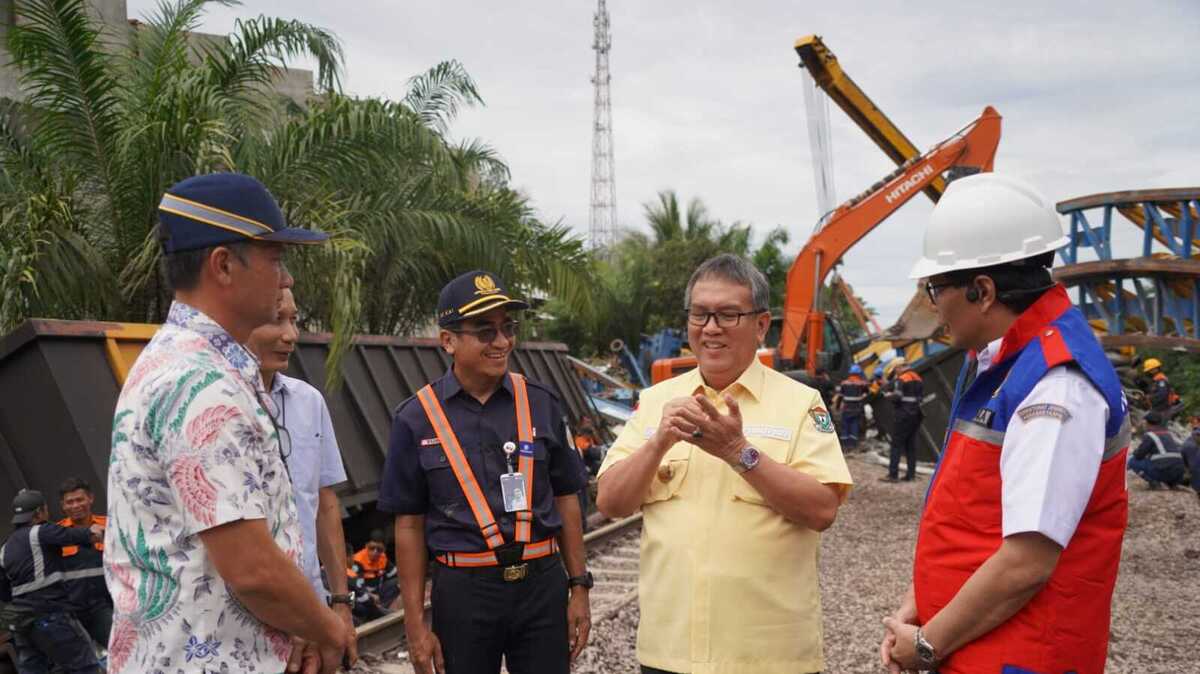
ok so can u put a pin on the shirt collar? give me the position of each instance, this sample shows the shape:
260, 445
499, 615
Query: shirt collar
280, 383
751, 380
186, 317
450, 386
987, 357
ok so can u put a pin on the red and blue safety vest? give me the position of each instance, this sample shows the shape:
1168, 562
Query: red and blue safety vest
1064, 628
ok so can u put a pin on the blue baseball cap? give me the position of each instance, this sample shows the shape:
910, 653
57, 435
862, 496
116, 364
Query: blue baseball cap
220, 208
471, 294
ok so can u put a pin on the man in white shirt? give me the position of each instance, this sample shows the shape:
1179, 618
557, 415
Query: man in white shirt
314, 462
1021, 533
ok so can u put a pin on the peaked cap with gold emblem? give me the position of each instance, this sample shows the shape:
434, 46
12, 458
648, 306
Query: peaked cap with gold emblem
471, 294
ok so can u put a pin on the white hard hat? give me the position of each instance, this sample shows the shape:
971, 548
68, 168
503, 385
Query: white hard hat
987, 219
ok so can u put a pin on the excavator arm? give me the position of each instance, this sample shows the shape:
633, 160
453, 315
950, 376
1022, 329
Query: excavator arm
969, 151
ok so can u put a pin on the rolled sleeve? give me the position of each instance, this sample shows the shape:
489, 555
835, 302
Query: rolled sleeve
217, 465
332, 470
565, 466
818, 453
1049, 464
403, 489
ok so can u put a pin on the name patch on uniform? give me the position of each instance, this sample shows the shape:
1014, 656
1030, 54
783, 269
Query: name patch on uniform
821, 419
1044, 410
775, 432
427, 442
984, 417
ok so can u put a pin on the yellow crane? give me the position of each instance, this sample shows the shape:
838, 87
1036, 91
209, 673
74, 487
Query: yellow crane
828, 74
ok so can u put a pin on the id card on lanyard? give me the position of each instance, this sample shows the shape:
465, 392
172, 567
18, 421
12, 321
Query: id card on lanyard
512, 483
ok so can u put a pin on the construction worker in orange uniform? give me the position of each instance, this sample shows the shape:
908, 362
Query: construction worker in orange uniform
373, 572
84, 565
482, 478
850, 400
1020, 536
906, 393
1163, 397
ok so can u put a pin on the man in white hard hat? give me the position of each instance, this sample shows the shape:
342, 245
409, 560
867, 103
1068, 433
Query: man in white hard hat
1020, 536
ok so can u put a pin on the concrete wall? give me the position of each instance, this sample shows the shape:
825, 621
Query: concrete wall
118, 31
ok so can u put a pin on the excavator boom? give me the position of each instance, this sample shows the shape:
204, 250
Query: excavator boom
969, 151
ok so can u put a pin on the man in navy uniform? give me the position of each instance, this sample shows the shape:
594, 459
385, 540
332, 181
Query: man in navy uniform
31, 580
482, 479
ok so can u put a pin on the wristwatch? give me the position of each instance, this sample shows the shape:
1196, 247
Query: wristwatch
585, 581
347, 599
745, 460
926, 655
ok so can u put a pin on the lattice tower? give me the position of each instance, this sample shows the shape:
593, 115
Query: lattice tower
603, 221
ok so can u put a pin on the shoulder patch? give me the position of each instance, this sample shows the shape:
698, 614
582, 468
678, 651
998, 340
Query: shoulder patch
984, 416
821, 419
1049, 410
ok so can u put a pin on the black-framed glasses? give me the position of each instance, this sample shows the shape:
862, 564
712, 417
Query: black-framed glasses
932, 288
725, 319
490, 333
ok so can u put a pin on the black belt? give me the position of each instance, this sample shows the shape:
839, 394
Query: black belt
508, 574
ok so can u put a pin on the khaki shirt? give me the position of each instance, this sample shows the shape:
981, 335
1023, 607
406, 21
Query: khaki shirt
727, 585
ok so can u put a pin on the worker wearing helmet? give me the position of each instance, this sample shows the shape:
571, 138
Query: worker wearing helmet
851, 399
906, 391
1163, 398
1034, 458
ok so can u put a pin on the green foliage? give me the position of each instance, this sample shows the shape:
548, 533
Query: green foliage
108, 127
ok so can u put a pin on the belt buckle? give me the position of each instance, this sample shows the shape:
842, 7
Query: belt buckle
515, 572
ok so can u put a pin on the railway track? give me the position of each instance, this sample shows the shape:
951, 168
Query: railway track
612, 559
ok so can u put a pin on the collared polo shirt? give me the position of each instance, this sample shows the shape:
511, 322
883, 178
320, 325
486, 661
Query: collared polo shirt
418, 480
727, 585
315, 461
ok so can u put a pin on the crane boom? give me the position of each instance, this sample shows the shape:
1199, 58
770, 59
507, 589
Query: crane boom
828, 74
971, 150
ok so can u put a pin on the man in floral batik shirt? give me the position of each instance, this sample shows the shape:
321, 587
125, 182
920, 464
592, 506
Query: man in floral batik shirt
203, 545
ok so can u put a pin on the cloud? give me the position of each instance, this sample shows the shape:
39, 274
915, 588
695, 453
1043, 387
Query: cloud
707, 98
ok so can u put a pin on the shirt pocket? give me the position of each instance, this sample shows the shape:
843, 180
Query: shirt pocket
777, 450
669, 477
439, 477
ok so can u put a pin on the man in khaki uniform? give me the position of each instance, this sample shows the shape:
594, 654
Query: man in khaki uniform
736, 469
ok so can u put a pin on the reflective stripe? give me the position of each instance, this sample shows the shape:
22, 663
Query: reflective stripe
481, 559
40, 579
908, 399
213, 216
95, 572
1157, 442
978, 432
462, 470
853, 399
524, 529
1112, 446
1168, 455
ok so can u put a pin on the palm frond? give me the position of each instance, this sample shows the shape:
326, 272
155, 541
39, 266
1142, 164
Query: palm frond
437, 94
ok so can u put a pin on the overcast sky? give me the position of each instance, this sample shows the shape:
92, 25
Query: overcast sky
707, 99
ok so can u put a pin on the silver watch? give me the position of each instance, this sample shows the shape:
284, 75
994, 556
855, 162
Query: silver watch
926, 655
745, 460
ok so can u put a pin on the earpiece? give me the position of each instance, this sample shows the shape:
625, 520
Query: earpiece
973, 294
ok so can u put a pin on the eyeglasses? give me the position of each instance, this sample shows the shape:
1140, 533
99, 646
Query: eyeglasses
725, 319
490, 333
932, 288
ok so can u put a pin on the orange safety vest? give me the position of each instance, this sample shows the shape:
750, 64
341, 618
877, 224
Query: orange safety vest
71, 550
371, 570
488, 526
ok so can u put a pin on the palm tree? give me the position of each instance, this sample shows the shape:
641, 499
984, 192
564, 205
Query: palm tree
104, 131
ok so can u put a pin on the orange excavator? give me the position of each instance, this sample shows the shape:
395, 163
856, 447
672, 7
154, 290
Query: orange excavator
971, 150
802, 337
